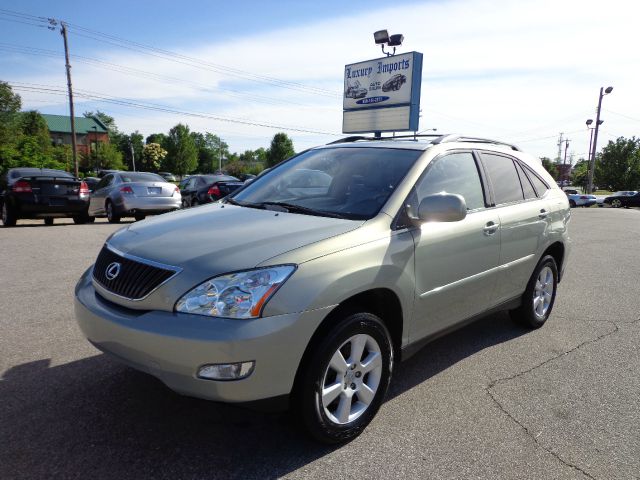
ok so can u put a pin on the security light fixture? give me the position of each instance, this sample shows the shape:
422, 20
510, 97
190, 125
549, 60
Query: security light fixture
395, 40
383, 38
607, 91
589, 122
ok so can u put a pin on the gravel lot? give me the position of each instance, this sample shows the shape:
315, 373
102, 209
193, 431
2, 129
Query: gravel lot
490, 401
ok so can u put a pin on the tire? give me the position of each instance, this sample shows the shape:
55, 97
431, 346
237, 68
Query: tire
616, 203
48, 221
139, 217
353, 389
112, 216
572, 204
542, 287
91, 219
9, 217
195, 202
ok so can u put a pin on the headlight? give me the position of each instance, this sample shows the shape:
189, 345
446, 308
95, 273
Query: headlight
235, 295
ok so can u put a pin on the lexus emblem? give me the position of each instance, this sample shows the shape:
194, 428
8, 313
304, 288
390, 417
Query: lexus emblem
112, 271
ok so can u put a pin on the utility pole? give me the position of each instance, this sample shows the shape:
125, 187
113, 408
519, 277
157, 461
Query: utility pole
564, 162
74, 146
133, 156
559, 148
592, 163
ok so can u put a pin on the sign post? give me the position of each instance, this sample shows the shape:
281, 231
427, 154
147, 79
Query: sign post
382, 95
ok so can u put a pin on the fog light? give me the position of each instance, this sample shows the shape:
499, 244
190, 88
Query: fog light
226, 371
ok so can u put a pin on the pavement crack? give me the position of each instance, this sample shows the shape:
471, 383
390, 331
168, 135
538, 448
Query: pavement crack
530, 434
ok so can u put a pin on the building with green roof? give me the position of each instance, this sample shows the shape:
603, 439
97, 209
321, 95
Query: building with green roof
89, 131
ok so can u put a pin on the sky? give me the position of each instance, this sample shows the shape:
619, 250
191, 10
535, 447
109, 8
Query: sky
521, 72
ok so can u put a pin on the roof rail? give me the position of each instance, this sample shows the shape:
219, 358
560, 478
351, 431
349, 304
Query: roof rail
354, 138
461, 138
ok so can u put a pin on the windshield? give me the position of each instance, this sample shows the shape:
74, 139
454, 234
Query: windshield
346, 182
141, 177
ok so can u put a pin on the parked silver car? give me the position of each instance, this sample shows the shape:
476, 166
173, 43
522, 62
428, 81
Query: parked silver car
311, 297
133, 194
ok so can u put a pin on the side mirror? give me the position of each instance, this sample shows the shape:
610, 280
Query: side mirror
442, 207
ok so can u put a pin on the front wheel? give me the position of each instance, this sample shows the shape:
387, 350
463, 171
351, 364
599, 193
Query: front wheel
48, 221
616, 203
344, 381
540, 295
139, 217
572, 204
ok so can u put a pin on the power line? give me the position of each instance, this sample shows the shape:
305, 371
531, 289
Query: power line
175, 57
23, 86
150, 75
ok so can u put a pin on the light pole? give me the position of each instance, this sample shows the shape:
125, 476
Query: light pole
592, 163
95, 148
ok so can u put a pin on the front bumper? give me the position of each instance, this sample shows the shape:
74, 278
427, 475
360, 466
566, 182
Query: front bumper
171, 346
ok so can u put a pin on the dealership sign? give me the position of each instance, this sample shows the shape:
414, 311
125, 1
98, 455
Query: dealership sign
382, 95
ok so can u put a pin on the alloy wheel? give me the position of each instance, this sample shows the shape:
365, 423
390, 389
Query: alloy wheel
543, 292
351, 379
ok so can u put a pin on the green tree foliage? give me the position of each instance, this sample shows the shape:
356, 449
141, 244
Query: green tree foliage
109, 157
580, 175
10, 104
152, 156
159, 138
550, 167
125, 143
211, 149
618, 166
281, 148
107, 120
182, 156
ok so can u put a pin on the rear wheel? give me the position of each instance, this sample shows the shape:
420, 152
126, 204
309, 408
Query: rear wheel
112, 216
343, 383
9, 217
572, 204
195, 202
540, 295
139, 217
48, 221
616, 203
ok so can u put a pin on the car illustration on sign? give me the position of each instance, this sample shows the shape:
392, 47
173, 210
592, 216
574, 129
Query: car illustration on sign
355, 91
394, 83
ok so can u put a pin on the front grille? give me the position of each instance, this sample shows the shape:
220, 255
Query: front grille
135, 279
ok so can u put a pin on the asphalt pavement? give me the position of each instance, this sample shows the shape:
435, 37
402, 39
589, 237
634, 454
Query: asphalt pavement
492, 400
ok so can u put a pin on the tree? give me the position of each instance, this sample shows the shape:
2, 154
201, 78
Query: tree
125, 142
281, 148
580, 175
550, 167
159, 138
182, 156
152, 156
34, 125
107, 120
211, 149
618, 166
10, 104
109, 157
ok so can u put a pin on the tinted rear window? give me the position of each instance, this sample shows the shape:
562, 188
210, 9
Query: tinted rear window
141, 177
504, 178
219, 178
45, 172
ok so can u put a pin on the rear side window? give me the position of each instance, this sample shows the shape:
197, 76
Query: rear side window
527, 188
453, 173
504, 178
540, 186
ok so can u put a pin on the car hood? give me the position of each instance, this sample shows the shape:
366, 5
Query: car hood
220, 238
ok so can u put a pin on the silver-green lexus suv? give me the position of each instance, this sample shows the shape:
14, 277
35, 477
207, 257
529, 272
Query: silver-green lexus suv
308, 283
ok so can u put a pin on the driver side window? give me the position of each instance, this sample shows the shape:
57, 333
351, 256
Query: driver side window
452, 173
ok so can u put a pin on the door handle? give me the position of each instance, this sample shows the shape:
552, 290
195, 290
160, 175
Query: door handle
490, 228
543, 213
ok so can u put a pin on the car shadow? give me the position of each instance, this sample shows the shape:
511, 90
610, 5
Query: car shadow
97, 418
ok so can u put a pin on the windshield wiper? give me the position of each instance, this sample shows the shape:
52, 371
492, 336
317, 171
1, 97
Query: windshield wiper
292, 208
